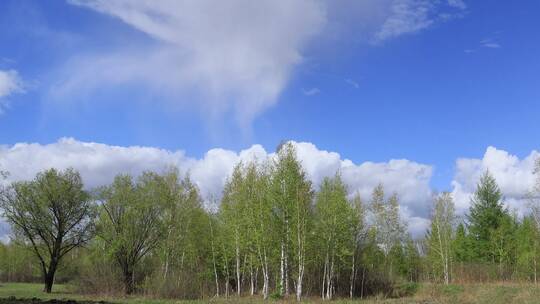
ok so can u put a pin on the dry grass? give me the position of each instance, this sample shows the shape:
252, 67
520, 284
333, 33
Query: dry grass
493, 293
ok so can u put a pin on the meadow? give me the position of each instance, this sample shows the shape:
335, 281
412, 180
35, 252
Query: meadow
493, 293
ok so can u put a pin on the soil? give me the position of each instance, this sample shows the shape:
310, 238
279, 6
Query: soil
13, 300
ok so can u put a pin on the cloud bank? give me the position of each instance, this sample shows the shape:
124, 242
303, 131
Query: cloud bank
99, 163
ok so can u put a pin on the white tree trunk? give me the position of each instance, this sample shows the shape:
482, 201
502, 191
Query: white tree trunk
353, 275
238, 283
282, 269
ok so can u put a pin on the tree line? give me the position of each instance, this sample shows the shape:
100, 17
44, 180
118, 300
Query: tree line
273, 235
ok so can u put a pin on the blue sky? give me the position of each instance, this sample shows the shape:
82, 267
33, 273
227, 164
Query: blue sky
427, 81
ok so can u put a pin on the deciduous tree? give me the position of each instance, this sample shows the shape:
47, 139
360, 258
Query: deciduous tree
52, 214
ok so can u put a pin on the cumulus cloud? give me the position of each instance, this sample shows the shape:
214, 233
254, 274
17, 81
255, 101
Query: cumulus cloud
99, 163
514, 176
10, 83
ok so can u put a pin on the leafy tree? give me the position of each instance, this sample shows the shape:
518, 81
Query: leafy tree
390, 230
52, 214
486, 215
335, 223
292, 196
502, 243
185, 246
130, 221
260, 222
528, 247
358, 236
440, 235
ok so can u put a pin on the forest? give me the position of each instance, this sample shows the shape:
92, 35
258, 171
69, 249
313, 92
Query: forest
274, 235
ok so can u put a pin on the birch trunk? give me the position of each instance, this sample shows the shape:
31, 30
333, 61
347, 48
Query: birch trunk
353, 275
282, 269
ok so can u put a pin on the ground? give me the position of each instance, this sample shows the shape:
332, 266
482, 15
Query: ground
501, 293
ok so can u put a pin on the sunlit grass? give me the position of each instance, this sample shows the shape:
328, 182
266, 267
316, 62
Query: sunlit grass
496, 293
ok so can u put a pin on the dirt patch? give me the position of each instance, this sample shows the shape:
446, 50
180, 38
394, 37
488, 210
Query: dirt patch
13, 300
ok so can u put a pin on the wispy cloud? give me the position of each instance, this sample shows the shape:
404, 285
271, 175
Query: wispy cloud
311, 92
411, 16
457, 4
353, 83
490, 43
239, 55
10, 83
227, 56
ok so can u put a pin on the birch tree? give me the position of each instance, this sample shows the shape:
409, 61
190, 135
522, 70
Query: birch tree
390, 229
292, 197
260, 225
232, 213
359, 233
440, 235
334, 229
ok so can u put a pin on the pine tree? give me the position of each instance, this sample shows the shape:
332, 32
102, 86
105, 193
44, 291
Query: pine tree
462, 249
486, 215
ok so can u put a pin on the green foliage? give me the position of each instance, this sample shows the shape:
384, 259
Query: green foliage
439, 237
461, 245
51, 214
488, 221
272, 235
528, 248
130, 222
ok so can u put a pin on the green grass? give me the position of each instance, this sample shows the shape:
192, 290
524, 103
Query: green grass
502, 293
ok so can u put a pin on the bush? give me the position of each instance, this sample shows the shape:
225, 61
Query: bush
404, 289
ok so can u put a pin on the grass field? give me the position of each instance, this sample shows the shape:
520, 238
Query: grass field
474, 293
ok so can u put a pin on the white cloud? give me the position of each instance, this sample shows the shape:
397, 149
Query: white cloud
514, 176
99, 163
407, 16
412, 16
236, 54
490, 43
10, 83
311, 92
457, 4
228, 56
353, 83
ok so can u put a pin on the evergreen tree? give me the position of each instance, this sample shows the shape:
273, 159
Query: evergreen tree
486, 215
462, 249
